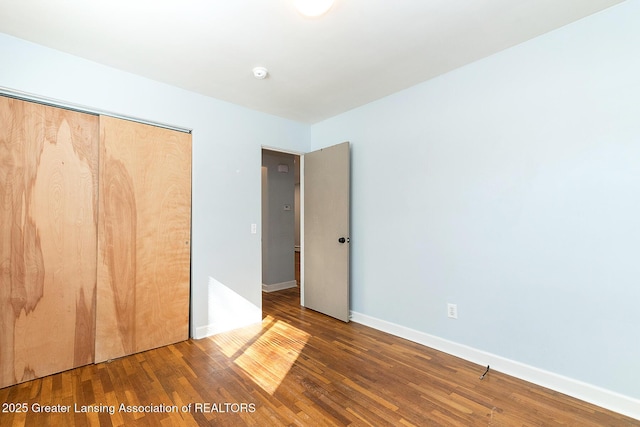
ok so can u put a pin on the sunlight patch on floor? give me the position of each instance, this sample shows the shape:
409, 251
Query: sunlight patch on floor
233, 342
264, 352
268, 360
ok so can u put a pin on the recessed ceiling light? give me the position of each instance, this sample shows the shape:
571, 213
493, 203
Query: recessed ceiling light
313, 7
260, 73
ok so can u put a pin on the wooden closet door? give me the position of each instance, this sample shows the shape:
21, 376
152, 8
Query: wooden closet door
48, 220
143, 238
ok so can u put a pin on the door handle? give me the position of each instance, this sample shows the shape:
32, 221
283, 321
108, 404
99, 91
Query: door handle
342, 240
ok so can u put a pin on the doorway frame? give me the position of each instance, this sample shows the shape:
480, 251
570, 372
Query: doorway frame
300, 155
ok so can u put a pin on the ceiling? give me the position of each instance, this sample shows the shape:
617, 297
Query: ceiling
360, 51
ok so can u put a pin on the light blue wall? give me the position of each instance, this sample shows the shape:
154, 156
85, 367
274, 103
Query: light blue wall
510, 187
227, 142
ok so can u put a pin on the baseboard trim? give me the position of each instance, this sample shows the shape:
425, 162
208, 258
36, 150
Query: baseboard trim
279, 286
214, 329
206, 331
589, 393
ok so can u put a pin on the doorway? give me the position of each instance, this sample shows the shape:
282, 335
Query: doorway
280, 220
312, 227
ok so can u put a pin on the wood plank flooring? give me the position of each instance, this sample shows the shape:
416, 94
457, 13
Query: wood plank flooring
297, 368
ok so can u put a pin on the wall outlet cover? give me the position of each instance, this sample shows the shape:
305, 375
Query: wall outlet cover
452, 311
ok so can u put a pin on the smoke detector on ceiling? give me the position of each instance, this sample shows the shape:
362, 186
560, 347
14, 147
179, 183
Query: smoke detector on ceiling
260, 73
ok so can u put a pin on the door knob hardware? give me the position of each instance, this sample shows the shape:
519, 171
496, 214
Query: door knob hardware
343, 239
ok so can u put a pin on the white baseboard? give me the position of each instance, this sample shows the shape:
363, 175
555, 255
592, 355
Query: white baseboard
279, 286
589, 393
206, 331
214, 329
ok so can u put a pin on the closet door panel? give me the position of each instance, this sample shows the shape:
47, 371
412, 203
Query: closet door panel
144, 238
48, 222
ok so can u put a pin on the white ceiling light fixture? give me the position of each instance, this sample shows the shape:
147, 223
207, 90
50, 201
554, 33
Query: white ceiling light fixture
313, 8
260, 73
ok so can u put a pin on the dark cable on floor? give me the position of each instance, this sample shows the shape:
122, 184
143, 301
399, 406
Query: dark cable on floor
485, 373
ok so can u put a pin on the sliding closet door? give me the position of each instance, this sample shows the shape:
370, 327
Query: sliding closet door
143, 238
48, 199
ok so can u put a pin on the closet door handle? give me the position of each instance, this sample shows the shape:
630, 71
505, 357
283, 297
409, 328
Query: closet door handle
343, 240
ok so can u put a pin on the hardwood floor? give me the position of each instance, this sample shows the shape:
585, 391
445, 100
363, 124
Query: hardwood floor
297, 368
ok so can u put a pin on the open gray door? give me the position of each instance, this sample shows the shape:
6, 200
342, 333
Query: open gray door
326, 231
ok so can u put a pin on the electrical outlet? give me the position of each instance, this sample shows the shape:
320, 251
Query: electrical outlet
452, 311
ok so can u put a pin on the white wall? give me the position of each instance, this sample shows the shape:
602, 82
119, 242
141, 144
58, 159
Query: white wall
510, 187
227, 140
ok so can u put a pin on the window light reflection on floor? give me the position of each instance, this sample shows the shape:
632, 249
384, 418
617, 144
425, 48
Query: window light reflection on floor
266, 356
